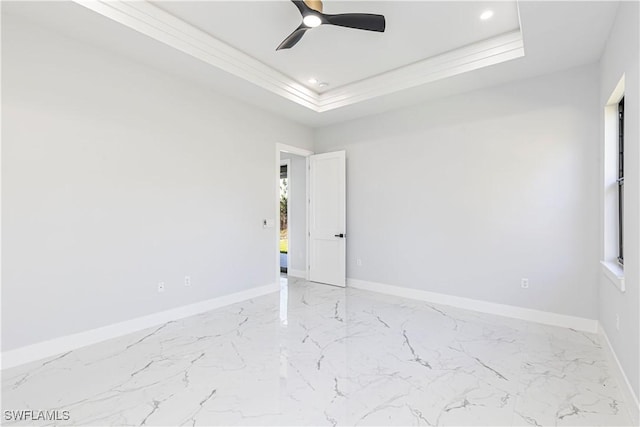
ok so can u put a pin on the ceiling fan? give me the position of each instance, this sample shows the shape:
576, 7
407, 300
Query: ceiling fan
312, 16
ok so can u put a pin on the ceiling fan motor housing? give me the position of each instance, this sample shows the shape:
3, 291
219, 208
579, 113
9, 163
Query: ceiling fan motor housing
314, 4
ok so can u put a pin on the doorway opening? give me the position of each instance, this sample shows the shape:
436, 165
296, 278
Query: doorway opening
292, 213
284, 216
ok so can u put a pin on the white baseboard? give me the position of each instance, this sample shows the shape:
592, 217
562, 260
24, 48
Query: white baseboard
66, 343
297, 273
623, 381
548, 318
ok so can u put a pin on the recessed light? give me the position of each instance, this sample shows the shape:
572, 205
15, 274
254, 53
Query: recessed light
323, 84
486, 15
313, 80
312, 21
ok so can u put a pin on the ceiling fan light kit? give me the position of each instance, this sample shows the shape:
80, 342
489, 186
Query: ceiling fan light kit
312, 16
312, 20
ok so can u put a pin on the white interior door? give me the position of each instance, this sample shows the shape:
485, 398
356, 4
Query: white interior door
327, 218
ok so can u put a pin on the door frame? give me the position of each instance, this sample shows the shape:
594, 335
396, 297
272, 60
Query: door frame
303, 153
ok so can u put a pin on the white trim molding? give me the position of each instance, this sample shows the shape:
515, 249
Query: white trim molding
615, 273
478, 55
545, 317
629, 396
144, 17
67, 343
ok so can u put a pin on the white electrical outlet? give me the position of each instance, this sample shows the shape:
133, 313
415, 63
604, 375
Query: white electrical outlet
524, 283
160, 287
187, 280
617, 322
359, 262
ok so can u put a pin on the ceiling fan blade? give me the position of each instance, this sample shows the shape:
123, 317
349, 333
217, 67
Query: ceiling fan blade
293, 38
361, 21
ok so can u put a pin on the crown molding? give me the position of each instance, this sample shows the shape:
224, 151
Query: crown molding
472, 57
154, 22
144, 17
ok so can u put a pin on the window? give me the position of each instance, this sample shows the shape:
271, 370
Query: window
620, 181
613, 188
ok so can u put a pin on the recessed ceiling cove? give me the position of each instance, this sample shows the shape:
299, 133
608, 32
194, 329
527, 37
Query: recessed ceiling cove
423, 42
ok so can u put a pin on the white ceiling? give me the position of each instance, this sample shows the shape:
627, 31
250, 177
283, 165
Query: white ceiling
414, 31
556, 36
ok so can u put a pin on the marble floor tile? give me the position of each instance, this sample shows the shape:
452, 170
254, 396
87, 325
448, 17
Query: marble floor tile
319, 355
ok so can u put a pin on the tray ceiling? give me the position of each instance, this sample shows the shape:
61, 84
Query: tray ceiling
346, 55
339, 56
431, 49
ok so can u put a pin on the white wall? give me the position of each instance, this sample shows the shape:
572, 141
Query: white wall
116, 177
621, 57
467, 195
297, 212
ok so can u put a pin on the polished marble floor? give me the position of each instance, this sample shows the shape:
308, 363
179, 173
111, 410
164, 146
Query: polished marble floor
320, 355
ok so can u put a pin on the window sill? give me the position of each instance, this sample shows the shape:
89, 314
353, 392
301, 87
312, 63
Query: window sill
615, 273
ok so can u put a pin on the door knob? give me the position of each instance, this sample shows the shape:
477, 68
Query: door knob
341, 235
